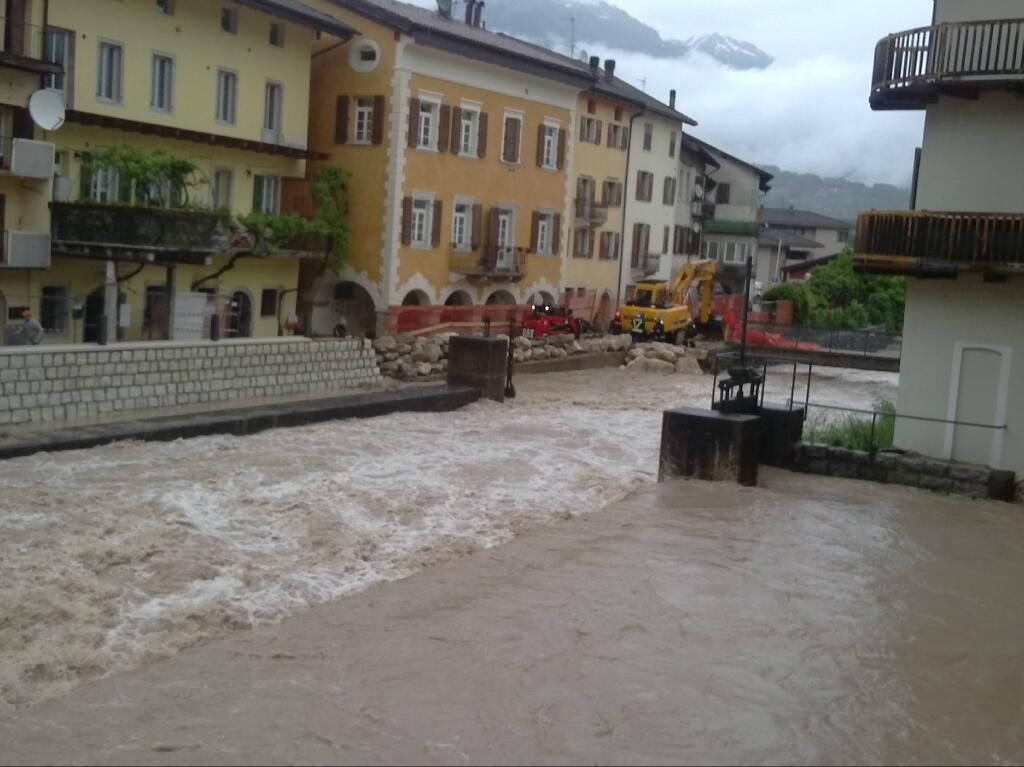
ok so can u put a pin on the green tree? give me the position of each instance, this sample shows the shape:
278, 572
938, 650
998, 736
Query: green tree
844, 298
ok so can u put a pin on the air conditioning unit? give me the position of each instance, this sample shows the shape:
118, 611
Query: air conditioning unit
26, 250
32, 159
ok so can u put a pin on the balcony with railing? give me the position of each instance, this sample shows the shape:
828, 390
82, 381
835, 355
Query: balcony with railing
591, 213
923, 242
140, 234
913, 68
22, 47
491, 262
701, 209
646, 265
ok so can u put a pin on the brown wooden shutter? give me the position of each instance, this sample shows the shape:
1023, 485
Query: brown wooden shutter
476, 236
517, 135
590, 243
435, 235
625, 138
576, 234
611, 135
407, 221
583, 128
414, 121
378, 120
598, 139
563, 137
647, 239
640, 185
456, 143
491, 256
556, 234
444, 127
603, 251
540, 145
636, 244
506, 140
535, 232
341, 121
481, 142
664, 241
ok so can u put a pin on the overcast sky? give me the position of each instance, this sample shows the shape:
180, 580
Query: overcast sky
809, 111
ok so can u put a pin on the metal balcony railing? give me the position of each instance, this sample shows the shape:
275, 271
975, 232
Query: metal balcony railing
646, 265
702, 209
489, 261
88, 225
591, 213
912, 68
19, 39
925, 241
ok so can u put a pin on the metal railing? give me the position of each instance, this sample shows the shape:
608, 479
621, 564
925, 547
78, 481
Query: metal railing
646, 265
961, 239
590, 212
702, 209
19, 38
139, 228
868, 342
910, 66
490, 261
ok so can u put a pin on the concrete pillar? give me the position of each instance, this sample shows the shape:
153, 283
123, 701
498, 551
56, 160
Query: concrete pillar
479, 362
709, 445
110, 303
171, 290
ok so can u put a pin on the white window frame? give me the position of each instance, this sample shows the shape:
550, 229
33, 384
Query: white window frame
550, 156
270, 204
422, 208
216, 188
116, 77
430, 130
513, 114
648, 133
506, 227
364, 120
545, 233
59, 82
273, 114
581, 245
104, 186
169, 108
462, 224
469, 131
224, 76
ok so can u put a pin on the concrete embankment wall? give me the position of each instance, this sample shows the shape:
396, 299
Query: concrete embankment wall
48, 383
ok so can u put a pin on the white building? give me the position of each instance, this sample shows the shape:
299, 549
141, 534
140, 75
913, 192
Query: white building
963, 350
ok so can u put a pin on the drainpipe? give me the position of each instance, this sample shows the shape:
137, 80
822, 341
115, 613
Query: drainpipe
625, 207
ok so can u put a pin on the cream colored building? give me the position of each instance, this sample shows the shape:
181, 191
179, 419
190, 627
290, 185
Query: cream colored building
963, 348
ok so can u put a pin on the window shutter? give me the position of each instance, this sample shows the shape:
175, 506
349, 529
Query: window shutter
583, 128
640, 185
625, 139
414, 121
506, 143
257, 193
378, 120
456, 130
664, 241
603, 252
636, 244
341, 121
611, 135
535, 232
562, 138
444, 127
517, 140
491, 256
540, 145
590, 243
556, 234
476, 235
620, 193
407, 221
597, 141
481, 142
435, 235
647, 238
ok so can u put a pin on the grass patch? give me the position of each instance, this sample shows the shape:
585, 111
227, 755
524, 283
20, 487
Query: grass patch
854, 431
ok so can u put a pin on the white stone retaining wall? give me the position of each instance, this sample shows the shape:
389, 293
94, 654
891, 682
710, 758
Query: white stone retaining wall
55, 383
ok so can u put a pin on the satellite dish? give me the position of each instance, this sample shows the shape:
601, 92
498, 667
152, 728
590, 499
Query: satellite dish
47, 109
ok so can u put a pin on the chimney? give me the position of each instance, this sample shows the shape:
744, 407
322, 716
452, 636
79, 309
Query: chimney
478, 15
470, 9
672, 99
595, 64
609, 69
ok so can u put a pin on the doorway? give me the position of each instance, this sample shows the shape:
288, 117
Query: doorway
241, 315
93, 321
980, 388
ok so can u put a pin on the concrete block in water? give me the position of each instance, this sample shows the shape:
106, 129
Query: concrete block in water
783, 429
709, 445
479, 362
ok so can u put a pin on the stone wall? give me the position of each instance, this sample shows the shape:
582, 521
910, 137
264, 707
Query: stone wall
906, 469
50, 383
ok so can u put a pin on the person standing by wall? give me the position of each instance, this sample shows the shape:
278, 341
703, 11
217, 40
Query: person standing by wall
32, 332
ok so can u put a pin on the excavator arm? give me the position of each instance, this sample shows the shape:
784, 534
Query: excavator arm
698, 271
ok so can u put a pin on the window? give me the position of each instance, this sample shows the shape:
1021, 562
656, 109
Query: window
644, 186
506, 230
545, 229
221, 188
618, 114
364, 56
711, 250
844, 235
648, 136
277, 34
512, 141
591, 107
549, 152
612, 193
367, 55
611, 243
422, 223
669, 192
53, 309
665, 238
110, 72
272, 108
57, 50
582, 243
462, 226
165, 7
268, 302
227, 97
469, 128
590, 130
672, 145
427, 135
162, 83
364, 120
266, 196
229, 20
723, 193
104, 186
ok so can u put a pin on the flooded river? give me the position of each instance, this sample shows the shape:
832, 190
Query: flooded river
118, 556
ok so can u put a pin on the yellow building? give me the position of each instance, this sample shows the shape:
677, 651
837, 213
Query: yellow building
459, 145
223, 84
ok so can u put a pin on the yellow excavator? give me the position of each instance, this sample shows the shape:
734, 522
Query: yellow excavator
659, 310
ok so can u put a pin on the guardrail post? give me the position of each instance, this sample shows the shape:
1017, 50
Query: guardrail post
872, 447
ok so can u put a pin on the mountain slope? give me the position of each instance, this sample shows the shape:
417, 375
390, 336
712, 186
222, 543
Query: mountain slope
836, 197
600, 22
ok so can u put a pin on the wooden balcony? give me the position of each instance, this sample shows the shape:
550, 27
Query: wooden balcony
923, 243
912, 69
492, 262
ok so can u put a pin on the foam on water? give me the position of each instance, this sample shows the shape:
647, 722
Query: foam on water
119, 555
